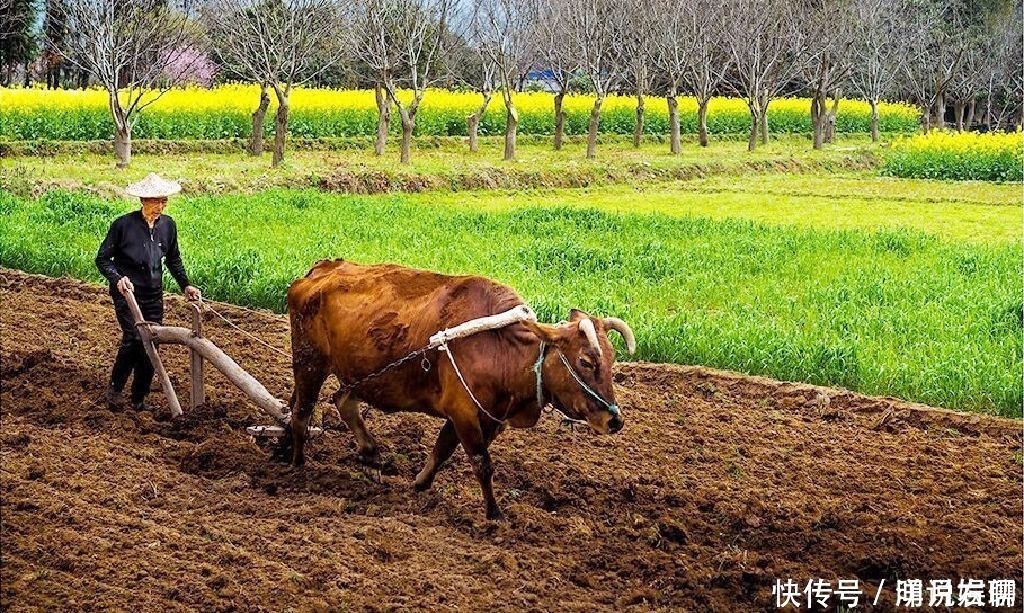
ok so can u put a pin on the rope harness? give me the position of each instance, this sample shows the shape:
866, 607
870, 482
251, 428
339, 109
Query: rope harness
613, 409
440, 342
208, 305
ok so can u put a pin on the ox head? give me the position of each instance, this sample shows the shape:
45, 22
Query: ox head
577, 368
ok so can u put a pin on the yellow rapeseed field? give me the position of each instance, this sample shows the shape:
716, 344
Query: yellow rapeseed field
954, 155
224, 111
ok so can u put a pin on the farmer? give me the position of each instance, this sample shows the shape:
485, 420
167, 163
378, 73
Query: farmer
131, 258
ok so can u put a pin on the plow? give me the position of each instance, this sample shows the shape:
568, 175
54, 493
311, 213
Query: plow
203, 350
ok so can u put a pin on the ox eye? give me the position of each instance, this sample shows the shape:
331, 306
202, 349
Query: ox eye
586, 362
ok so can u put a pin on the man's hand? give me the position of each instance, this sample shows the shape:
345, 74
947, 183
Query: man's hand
124, 284
192, 293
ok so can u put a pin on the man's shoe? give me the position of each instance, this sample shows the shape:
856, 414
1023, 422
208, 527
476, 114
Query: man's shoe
113, 398
143, 406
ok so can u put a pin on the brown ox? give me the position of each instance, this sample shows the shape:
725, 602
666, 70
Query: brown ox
351, 320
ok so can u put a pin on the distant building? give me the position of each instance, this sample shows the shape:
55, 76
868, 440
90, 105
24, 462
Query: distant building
540, 80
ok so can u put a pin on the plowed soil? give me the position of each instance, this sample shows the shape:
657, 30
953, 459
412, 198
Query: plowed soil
718, 485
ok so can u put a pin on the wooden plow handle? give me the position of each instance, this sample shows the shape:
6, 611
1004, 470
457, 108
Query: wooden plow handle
145, 330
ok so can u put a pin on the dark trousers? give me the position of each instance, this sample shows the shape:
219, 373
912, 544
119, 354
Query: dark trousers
131, 355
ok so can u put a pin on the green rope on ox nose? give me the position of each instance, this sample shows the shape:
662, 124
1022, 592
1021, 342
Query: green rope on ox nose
614, 410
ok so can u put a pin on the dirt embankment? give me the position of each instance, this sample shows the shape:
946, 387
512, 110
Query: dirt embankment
719, 485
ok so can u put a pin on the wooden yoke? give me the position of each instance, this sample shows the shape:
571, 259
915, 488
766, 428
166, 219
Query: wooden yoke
146, 331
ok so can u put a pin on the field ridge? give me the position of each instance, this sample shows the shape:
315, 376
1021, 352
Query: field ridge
357, 178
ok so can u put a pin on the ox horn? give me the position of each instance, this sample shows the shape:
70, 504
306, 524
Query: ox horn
614, 323
588, 328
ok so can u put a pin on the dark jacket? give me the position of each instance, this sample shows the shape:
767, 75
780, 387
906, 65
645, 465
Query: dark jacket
132, 249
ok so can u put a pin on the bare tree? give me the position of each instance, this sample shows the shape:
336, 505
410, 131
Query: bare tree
503, 30
278, 44
477, 71
10, 21
18, 39
672, 50
936, 41
691, 54
879, 46
407, 43
970, 76
1003, 79
827, 61
130, 48
557, 56
765, 40
1013, 54
376, 47
639, 21
595, 35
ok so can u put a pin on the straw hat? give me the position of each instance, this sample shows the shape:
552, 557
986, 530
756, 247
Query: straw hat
153, 186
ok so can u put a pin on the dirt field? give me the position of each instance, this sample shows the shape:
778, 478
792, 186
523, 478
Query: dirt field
718, 485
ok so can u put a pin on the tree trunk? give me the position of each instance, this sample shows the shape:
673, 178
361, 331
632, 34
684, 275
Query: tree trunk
755, 122
764, 125
832, 117
702, 122
559, 120
673, 123
122, 132
818, 118
408, 125
874, 121
258, 117
123, 146
638, 126
473, 123
958, 114
971, 106
383, 119
940, 111
511, 126
595, 118
280, 127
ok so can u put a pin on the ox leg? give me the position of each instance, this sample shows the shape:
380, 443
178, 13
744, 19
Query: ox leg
308, 382
444, 446
348, 408
473, 441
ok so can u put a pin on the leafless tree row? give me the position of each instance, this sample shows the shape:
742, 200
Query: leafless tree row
944, 55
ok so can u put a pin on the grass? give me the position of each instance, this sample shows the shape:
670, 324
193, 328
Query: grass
978, 212
975, 211
933, 316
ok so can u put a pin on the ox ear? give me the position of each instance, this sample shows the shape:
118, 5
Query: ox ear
577, 315
549, 333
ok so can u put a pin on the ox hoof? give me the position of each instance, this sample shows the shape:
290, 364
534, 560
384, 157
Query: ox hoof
496, 515
369, 459
422, 484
